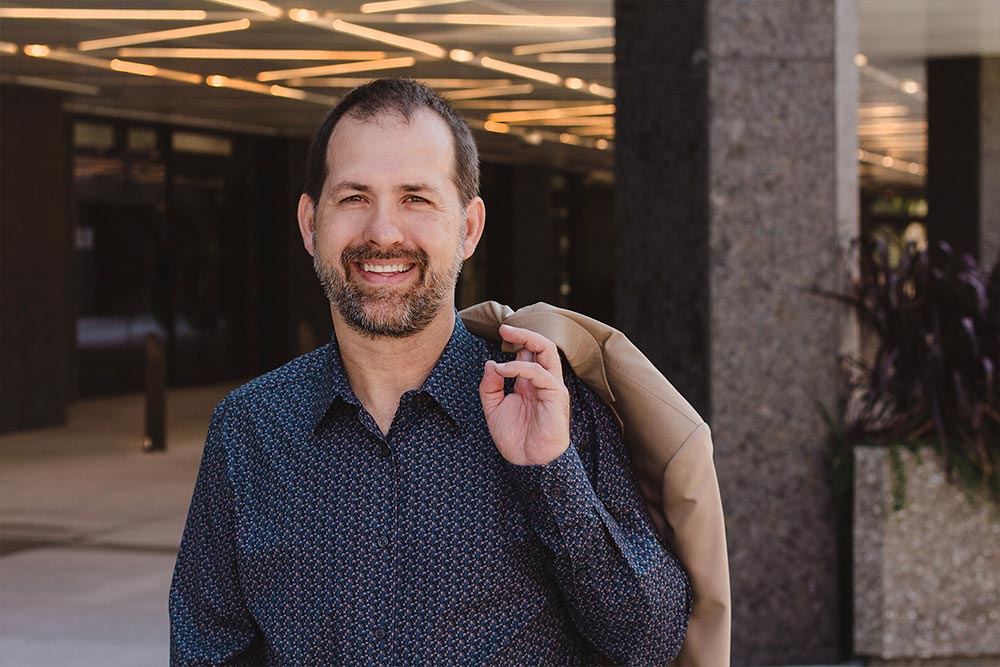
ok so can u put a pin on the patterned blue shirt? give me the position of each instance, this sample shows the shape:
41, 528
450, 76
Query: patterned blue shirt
313, 539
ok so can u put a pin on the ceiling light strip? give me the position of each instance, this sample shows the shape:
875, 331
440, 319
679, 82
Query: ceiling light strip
535, 137
258, 6
520, 70
250, 54
103, 14
51, 84
353, 82
569, 45
509, 20
220, 81
477, 93
124, 66
562, 112
577, 58
890, 162
397, 5
9, 48
580, 121
163, 35
339, 25
342, 68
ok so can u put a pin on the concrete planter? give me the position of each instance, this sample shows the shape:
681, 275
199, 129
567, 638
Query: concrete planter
926, 578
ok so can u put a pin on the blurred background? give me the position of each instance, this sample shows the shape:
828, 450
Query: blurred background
687, 170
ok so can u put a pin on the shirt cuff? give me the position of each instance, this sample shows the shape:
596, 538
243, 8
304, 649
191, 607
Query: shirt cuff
558, 498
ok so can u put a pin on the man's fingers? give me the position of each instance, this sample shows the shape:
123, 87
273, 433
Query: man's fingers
534, 373
491, 387
543, 349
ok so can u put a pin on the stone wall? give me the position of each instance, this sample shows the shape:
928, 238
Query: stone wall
926, 577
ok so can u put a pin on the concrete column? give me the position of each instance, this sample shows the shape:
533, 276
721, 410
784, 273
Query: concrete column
736, 187
963, 155
37, 297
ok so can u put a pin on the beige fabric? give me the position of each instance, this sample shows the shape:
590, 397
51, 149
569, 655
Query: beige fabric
671, 450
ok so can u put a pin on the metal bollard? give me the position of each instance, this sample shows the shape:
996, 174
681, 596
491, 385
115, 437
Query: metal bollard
155, 439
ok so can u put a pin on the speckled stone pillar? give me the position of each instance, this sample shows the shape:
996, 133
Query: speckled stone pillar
963, 155
736, 186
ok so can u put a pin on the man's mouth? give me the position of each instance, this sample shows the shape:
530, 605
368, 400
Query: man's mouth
386, 269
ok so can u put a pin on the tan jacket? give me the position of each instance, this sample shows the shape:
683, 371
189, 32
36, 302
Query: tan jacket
671, 450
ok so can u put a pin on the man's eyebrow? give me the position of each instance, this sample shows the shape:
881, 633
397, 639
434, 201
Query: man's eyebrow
350, 185
417, 187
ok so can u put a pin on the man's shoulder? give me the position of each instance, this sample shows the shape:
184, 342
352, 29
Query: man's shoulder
303, 373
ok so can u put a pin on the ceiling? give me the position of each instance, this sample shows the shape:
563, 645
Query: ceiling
159, 77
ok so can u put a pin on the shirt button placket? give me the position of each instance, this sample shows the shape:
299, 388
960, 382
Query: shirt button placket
384, 539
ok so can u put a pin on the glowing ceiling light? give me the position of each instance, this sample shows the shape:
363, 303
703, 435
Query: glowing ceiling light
353, 82
909, 86
511, 20
570, 45
568, 138
601, 91
461, 55
887, 161
578, 58
560, 112
133, 68
258, 6
521, 70
37, 50
432, 50
861, 60
491, 126
396, 5
602, 144
342, 68
104, 14
8, 48
574, 83
292, 93
250, 54
474, 93
302, 15
162, 35
583, 121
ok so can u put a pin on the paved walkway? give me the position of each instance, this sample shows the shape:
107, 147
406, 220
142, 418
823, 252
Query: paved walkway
89, 529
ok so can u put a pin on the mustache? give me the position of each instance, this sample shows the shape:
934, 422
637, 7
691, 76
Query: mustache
360, 253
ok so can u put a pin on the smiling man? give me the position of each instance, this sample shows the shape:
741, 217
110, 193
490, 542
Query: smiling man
409, 494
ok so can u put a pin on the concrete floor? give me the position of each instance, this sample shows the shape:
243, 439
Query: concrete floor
89, 530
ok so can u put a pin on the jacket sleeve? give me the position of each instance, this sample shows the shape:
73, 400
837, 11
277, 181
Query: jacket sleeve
209, 621
626, 592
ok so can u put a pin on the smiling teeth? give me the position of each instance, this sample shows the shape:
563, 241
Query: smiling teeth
391, 268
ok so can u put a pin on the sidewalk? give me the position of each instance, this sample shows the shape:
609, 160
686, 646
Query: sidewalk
89, 529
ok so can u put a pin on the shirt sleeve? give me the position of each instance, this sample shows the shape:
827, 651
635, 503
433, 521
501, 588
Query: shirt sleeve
626, 592
209, 620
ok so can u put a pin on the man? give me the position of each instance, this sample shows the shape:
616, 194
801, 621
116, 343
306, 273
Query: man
408, 494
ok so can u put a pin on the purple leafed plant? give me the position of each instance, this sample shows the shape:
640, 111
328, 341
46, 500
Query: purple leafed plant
935, 375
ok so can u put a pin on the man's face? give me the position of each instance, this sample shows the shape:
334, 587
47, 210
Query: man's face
390, 231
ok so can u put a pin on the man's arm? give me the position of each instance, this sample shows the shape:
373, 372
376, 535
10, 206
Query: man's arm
209, 621
627, 594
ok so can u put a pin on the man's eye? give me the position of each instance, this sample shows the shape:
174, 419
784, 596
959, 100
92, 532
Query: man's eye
415, 198
353, 198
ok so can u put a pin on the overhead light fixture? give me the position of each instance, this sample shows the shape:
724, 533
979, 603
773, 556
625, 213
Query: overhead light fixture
220, 81
582, 121
568, 138
521, 70
8, 48
396, 5
574, 83
570, 45
104, 14
578, 58
602, 144
910, 87
509, 20
595, 130
601, 91
511, 104
461, 55
432, 50
883, 111
250, 54
861, 60
302, 15
353, 82
500, 128
342, 68
258, 6
65, 55
163, 35
475, 93
560, 112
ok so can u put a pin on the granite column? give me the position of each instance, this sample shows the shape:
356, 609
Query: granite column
736, 187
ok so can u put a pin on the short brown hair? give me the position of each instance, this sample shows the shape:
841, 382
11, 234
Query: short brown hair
404, 97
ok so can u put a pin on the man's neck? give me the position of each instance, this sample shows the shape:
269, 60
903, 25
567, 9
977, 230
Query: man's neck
382, 369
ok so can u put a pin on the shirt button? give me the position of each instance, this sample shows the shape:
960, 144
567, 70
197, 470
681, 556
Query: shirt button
384, 451
381, 634
383, 541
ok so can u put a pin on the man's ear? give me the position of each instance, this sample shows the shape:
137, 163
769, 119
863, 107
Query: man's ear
307, 221
475, 222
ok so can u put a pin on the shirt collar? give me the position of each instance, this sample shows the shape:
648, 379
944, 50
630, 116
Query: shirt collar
464, 357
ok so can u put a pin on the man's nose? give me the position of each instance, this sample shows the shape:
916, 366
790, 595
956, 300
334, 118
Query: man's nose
384, 227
